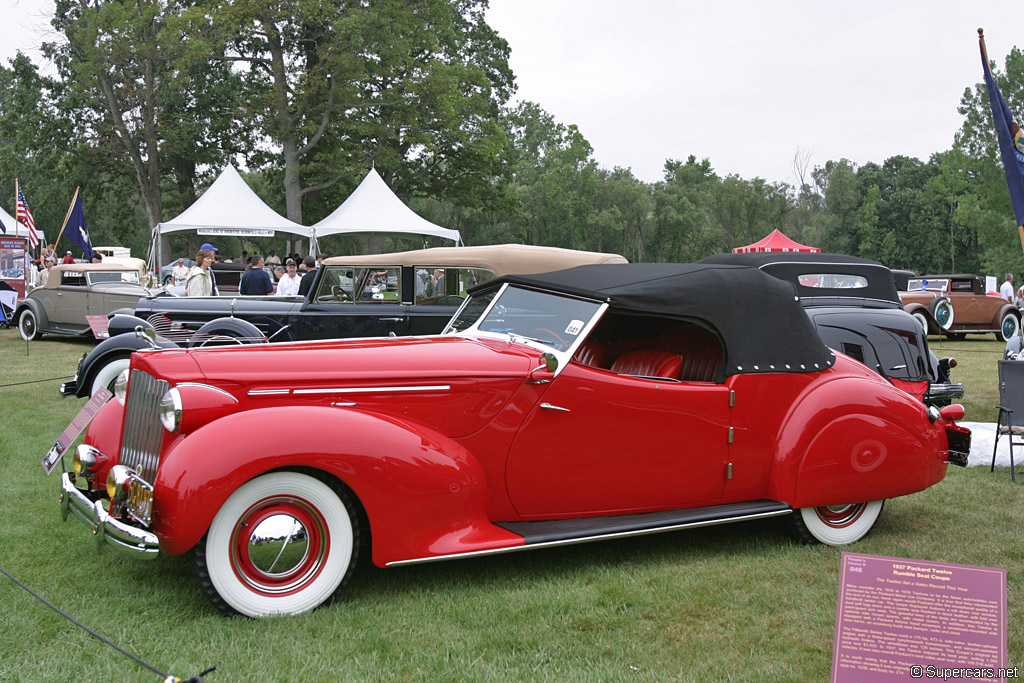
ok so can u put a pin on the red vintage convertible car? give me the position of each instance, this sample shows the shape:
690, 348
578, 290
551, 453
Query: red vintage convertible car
592, 403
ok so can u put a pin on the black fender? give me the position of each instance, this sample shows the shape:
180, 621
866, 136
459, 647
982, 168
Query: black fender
123, 323
241, 331
113, 348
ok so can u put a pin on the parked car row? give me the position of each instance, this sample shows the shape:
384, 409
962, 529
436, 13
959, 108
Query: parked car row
589, 403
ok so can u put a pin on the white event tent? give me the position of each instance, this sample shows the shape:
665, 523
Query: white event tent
229, 207
373, 207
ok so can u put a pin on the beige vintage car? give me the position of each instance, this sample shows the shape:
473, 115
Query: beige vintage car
74, 291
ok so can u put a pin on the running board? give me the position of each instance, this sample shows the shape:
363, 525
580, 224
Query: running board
556, 532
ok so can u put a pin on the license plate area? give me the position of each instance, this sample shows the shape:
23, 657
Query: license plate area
140, 500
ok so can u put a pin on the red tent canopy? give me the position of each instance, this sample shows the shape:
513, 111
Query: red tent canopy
776, 241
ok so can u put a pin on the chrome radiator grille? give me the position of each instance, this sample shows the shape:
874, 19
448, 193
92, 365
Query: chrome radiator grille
140, 443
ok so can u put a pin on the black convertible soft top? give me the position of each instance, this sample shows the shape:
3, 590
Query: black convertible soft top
791, 266
758, 317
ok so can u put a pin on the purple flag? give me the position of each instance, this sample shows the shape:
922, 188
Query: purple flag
1011, 140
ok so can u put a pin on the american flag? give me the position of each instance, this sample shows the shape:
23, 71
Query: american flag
25, 218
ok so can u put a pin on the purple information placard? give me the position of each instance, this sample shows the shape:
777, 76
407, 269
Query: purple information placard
900, 620
76, 427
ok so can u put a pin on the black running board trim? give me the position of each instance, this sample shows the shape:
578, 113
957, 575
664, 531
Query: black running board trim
552, 533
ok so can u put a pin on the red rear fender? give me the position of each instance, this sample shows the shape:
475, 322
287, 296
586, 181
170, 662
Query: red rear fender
847, 441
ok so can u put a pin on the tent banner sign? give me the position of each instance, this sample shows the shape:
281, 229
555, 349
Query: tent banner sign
236, 232
900, 620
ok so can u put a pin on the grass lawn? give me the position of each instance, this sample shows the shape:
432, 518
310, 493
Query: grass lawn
736, 603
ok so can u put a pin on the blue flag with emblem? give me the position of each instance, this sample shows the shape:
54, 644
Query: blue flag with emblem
74, 227
1011, 139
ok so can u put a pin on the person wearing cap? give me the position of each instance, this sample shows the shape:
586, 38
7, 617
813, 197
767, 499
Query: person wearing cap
289, 284
96, 257
68, 258
44, 274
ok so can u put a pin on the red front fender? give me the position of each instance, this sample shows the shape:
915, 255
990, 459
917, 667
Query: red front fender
423, 493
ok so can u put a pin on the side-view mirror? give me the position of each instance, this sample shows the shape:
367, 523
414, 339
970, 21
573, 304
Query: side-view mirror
550, 364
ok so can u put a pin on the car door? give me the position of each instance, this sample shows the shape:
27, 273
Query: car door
968, 310
69, 303
356, 301
601, 443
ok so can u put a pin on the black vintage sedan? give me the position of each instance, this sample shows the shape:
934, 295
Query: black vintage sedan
856, 309
402, 293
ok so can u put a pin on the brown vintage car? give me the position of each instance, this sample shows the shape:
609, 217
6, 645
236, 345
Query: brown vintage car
957, 305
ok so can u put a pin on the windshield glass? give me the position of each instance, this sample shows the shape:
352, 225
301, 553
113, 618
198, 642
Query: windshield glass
543, 317
929, 285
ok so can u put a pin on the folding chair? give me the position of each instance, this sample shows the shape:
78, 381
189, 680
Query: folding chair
1011, 408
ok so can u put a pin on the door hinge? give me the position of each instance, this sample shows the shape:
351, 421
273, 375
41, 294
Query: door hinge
732, 398
731, 434
728, 470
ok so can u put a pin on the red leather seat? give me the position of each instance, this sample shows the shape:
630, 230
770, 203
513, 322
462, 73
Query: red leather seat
649, 363
592, 353
700, 349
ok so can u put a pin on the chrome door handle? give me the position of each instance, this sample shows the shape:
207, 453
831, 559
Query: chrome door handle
391, 320
548, 406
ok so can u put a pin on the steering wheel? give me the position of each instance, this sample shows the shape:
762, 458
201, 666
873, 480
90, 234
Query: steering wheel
339, 293
545, 333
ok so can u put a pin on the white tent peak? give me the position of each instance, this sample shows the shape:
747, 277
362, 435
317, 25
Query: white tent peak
373, 207
229, 203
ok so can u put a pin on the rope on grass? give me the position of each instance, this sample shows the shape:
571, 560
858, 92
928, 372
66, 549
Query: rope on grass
34, 381
166, 677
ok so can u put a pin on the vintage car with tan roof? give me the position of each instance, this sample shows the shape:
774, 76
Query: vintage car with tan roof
401, 293
73, 291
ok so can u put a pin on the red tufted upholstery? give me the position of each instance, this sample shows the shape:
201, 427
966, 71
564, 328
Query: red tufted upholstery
649, 363
592, 353
700, 349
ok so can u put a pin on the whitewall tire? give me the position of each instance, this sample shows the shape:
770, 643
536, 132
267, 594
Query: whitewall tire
28, 325
835, 524
282, 543
106, 375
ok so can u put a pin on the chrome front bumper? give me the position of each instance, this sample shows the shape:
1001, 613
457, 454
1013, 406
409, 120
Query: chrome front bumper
107, 529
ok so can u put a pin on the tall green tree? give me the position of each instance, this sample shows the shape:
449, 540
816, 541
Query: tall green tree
337, 84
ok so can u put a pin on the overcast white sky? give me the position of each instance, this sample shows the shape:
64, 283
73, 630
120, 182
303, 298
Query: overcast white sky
748, 84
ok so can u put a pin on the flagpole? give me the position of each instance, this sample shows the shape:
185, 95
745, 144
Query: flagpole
66, 217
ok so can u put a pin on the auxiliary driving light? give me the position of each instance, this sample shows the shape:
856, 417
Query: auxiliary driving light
87, 459
117, 482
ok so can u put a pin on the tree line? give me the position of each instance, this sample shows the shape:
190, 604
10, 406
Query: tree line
152, 97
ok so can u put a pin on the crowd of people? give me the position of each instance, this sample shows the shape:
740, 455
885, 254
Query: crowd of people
262, 276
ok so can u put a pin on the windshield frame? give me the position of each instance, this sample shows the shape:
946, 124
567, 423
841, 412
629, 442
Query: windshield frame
563, 356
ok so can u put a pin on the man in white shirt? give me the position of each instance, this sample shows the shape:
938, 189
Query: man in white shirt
179, 273
1006, 290
289, 284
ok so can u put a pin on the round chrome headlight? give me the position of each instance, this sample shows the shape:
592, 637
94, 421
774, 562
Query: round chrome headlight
121, 387
117, 482
170, 410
